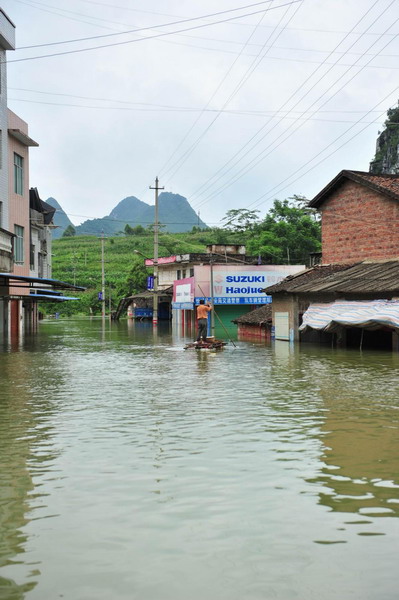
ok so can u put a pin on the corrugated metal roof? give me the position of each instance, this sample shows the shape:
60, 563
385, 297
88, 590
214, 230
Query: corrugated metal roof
362, 278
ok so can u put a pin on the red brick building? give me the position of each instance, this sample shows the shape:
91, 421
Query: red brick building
360, 217
360, 266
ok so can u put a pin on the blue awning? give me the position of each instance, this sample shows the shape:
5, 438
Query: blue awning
51, 298
31, 281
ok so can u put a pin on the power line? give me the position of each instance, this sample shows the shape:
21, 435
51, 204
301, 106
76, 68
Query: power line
229, 70
171, 109
261, 155
125, 8
151, 27
258, 203
255, 63
183, 108
185, 36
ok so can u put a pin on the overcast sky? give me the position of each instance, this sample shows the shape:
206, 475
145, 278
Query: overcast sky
228, 112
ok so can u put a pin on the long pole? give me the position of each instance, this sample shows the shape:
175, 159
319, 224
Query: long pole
155, 259
219, 319
212, 302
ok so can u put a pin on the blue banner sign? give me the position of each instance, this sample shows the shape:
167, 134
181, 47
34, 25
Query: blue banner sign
100, 295
237, 300
150, 282
183, 305
143, 312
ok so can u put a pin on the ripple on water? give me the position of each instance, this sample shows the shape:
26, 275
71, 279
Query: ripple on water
133, 468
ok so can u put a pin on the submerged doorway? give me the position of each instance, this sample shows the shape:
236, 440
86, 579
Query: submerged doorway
378, 339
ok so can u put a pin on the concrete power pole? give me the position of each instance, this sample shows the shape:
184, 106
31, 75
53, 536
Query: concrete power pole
155, 259
102, 277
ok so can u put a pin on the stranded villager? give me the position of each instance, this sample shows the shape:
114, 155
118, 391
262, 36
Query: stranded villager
202, 316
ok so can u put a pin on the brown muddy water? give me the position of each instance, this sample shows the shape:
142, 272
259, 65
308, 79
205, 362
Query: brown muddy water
133, 469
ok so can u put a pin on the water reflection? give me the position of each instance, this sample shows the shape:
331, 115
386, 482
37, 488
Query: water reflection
172, 474
26, 456
360, 471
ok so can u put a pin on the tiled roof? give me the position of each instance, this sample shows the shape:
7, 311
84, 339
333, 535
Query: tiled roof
385, 184
377, 277
256, 317
293, 282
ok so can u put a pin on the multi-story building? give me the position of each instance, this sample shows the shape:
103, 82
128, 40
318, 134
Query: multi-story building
7, 42
41, 223
25, 220
352, 297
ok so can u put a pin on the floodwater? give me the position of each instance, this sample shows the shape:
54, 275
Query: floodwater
133, 469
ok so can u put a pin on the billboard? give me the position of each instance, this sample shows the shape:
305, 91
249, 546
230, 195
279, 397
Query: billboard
183, 293
240, 284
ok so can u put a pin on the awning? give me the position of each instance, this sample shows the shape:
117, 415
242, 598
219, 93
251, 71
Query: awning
50, 297
372, 314
32, 282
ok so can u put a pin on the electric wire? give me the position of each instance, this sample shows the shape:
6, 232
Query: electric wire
262, 155
171, 110
152, 27
236, 24
207, 185
277, 189
183, 108
184, 157
169, 41
218, 87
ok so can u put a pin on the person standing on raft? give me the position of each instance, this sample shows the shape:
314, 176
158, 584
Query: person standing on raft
202, 316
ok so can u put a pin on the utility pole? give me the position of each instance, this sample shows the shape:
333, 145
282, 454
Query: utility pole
155, 259
102, 277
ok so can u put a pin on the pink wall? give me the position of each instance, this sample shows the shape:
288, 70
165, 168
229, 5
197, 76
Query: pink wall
19, 205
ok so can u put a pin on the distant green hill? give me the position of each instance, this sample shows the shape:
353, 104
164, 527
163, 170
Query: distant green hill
174, 212
60, 219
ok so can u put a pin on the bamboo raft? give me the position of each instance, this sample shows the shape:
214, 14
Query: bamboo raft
208, 344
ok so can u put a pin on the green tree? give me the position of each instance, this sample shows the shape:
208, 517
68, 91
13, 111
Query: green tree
138, 230
136, 279
288, 234
70, 231
241, 220
128, 230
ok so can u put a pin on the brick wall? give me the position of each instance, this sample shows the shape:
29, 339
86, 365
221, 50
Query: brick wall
359, 224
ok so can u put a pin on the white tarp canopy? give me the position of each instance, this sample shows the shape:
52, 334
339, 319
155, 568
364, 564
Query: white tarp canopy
372, 314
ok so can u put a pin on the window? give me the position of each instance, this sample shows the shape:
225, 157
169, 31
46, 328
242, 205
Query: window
178, 274
32, 256
19, 244
191, 272
18, 174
